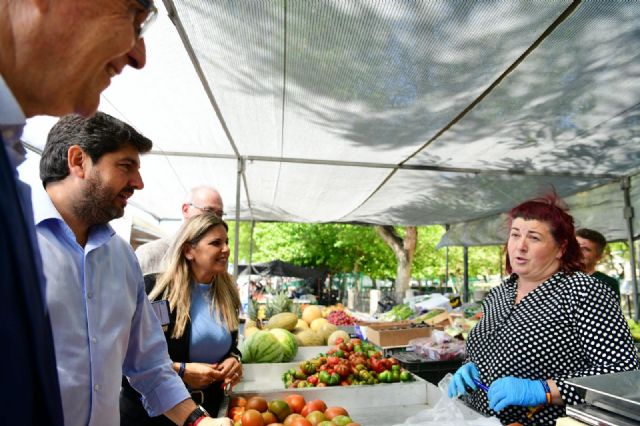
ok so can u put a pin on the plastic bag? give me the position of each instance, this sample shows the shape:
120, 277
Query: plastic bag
438, 347
449, 412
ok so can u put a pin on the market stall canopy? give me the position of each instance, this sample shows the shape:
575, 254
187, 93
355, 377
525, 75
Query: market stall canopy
388, 112
278, 268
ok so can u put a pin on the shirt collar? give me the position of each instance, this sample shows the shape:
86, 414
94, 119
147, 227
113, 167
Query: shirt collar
44, 211
12, 121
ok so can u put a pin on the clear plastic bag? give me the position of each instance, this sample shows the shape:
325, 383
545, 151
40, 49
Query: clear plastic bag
449, 412
438, 347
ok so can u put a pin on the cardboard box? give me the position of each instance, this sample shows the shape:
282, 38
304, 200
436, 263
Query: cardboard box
396, 333
440, 321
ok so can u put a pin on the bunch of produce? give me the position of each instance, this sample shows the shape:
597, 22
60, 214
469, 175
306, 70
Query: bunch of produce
635, 329
424, 318
313, 329
340, 317
352, 363
293, 410
461, 327
397, 313
258, 314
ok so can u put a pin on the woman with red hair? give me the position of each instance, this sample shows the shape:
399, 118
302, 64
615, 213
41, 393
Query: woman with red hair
546, 323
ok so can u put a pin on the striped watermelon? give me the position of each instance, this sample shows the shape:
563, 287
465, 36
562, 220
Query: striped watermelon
288, 342
261, 347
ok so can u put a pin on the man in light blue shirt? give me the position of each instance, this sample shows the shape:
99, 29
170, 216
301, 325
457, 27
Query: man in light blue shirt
103, 324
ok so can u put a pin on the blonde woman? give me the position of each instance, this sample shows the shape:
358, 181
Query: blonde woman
204, 306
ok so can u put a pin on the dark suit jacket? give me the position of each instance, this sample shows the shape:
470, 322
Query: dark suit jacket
131, 410
30, 380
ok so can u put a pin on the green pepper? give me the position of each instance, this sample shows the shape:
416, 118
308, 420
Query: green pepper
385, 377
395, 376
324, 377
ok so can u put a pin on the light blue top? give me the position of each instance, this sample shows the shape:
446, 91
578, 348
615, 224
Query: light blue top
103, 323
210, 339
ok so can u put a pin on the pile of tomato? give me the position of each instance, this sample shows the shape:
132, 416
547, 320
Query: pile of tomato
292, 411
352, 363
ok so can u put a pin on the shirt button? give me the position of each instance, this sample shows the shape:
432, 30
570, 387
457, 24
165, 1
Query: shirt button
94, 340
96, 388
89, 295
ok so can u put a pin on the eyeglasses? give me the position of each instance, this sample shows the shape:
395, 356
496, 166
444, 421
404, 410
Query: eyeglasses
213, 210
144, 18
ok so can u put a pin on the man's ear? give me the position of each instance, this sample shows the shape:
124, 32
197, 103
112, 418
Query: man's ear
77, 161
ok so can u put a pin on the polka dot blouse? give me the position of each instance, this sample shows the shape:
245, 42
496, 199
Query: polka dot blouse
569, 326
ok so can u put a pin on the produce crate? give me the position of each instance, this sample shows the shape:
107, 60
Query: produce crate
431, 371
261, 378
394, 334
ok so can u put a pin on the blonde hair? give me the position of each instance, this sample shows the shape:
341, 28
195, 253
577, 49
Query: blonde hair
174, 283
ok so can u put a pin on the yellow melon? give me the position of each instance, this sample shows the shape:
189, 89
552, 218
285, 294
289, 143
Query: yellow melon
317, 324
310, 313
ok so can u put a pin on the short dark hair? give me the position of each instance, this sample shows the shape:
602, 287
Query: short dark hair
594, 236
551, 209
97, 136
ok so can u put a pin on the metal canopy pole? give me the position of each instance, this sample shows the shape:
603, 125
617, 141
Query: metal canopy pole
446, 262
625, 185
236, 243
465, 290
253, 226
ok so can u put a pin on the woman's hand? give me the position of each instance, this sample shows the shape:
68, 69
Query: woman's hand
515, 391
198, 375
230, 370
463, 379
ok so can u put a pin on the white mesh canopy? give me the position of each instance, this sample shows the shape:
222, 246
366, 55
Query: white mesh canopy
390, 112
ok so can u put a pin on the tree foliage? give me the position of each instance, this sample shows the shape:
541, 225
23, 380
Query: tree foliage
358, 248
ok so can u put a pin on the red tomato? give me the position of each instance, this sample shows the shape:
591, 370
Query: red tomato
301, 421
315, 405
269, 418
238, 401
257, 403
296, 402
290, 418
316, 417
331, 412
236, 412
252, 418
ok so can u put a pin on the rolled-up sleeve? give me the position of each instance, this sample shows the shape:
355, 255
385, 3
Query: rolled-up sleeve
147, 365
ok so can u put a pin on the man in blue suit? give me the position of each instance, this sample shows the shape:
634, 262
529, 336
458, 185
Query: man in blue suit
56, 57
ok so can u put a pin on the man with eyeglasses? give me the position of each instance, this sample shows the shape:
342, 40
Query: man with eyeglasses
200, 199
56, 57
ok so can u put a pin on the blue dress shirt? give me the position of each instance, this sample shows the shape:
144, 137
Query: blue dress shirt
103, 323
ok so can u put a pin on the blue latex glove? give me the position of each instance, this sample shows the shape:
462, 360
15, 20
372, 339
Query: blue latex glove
514, 391
463, 379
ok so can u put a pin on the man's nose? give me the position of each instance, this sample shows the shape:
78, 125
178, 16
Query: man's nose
136, 181
137, 56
